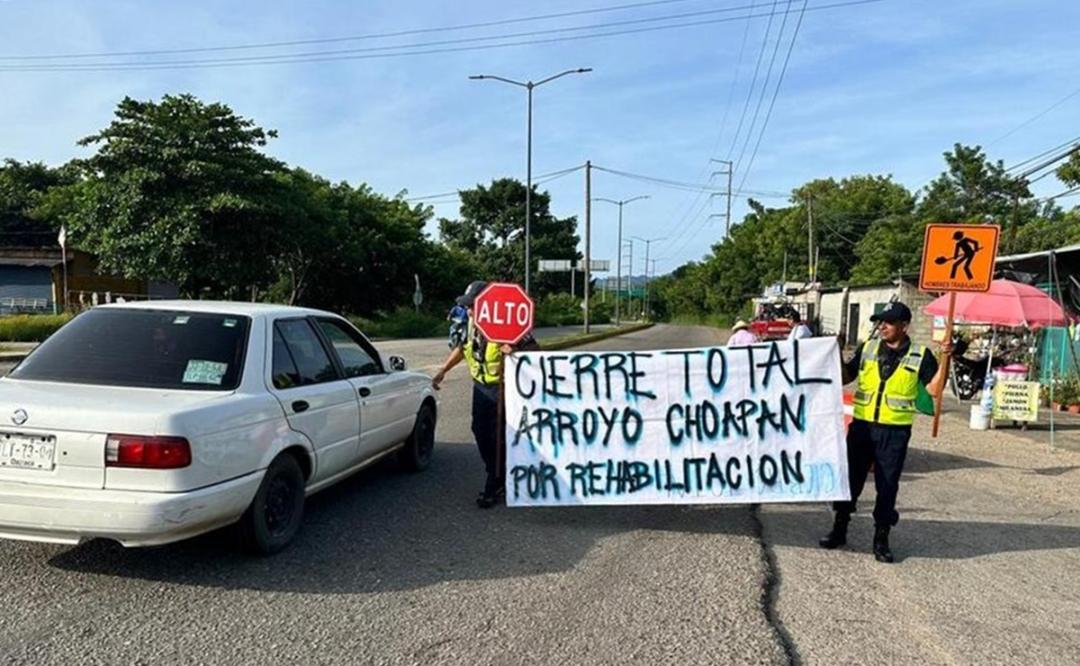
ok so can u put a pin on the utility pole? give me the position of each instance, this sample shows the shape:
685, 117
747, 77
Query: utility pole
810, 237
618, 270
648, 242
630, 275
728, 172
588, 237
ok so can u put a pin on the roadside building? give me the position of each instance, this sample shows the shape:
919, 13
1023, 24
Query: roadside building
32, 280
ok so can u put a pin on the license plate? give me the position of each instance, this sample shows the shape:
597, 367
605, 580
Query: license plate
27, 451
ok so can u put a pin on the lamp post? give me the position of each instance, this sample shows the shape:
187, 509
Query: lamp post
529, 85
648, 242
618, 270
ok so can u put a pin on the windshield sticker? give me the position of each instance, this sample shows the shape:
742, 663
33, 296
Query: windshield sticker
182, 319
229, 323
205, 372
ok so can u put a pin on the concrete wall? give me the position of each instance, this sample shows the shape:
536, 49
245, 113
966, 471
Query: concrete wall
832, 312
837, 310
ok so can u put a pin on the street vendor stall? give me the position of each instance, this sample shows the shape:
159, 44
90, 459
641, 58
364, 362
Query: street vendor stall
1008, 305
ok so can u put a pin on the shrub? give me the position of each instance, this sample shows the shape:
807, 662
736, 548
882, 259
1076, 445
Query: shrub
402, 323
30, 328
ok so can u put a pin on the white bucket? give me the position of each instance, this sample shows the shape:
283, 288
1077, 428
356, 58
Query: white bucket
980, 420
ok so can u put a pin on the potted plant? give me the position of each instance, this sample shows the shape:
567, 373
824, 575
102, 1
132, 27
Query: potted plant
1071, 400
1058, 394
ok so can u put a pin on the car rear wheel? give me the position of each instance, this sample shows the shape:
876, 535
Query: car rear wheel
274, 517
415, 456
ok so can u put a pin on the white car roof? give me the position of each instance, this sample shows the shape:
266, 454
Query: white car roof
253, 310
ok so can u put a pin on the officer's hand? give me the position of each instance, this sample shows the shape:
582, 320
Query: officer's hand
946, 347
437, 379
506, 350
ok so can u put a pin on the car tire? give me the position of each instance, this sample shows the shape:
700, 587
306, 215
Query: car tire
274, 516
415, 456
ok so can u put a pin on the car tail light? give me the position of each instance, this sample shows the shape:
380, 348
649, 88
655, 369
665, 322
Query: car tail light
147, 452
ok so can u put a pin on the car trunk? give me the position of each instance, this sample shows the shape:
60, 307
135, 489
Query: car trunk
54, 434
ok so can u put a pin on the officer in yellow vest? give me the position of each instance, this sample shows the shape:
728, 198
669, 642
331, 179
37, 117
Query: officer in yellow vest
485, 361
889, 370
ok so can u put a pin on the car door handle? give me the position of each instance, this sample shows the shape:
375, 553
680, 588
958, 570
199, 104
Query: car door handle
300, 406
364, 391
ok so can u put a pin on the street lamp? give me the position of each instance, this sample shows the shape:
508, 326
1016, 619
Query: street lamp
648, 242
618, 270
529, 85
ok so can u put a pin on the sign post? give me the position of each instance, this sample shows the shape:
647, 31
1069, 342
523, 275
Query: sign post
503, 313
957, 257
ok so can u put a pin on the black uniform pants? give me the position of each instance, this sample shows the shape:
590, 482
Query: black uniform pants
886, 448
485, 428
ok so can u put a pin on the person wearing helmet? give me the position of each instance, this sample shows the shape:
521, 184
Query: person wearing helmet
485, 361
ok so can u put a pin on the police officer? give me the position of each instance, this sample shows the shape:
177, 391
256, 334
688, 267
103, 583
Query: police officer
890, 370
485, 361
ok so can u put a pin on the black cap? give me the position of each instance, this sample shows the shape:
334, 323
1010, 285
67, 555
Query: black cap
471, 292
893, 312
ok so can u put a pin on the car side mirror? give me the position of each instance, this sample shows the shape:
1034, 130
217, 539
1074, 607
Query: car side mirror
397, 363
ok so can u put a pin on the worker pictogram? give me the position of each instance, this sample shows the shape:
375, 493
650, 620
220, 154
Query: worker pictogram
959, 257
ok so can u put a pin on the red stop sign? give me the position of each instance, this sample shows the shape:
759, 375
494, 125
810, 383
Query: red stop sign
503, 312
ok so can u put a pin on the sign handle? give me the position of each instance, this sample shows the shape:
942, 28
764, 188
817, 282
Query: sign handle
500, 438
945, 359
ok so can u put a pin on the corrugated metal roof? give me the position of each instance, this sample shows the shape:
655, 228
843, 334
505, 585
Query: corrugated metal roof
1032, 255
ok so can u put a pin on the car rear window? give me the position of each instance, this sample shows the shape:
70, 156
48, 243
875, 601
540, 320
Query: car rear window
143, 348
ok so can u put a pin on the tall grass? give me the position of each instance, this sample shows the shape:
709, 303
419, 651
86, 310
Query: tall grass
402, 323
30, 328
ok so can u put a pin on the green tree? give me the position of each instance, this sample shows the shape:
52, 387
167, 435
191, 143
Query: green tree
179, 191
491, 228
844, 212
892, 245
972, 189
26, 216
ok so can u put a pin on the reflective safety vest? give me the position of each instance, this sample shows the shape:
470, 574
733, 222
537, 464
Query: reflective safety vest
891, 401
485, 363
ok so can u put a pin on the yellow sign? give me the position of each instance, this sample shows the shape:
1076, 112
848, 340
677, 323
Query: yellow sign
959, 257
1016, 401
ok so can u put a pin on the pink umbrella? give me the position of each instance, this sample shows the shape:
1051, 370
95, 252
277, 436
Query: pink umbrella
1007, 303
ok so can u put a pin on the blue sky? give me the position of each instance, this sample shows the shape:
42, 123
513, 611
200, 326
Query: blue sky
879, 88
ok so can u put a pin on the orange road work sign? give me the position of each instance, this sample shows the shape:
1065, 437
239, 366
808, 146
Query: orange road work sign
959, 257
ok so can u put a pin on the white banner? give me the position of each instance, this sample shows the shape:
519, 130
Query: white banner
717, 425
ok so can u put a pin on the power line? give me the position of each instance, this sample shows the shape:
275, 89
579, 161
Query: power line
682, 234
542, 178
776, 93
333, 40
1067, 193
410, 49
723, 125
764, 89
685, 223
1038, 115
660, 181
753, 80
1070, 142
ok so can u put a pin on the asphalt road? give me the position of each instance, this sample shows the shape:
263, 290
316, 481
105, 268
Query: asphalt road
397, 568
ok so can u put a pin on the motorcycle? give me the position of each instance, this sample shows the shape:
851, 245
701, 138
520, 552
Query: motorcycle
969, 374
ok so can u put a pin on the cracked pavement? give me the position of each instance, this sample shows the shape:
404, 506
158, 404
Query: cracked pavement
398, 569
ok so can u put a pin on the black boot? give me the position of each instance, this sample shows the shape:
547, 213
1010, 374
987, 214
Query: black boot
838, 536
881, 544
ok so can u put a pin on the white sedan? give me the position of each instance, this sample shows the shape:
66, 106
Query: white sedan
153, 422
